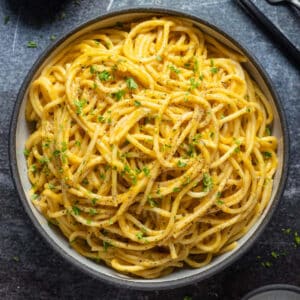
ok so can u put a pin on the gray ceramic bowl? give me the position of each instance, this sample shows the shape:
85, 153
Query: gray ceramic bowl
20, 130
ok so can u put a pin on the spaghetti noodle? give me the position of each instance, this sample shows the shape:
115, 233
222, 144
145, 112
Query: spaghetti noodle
151, 148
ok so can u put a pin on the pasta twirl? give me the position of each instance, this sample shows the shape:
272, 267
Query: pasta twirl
151, 148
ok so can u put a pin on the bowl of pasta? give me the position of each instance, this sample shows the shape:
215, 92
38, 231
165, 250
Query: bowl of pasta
149, 148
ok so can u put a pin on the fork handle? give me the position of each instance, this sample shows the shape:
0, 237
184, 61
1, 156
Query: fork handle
275, 33
296, 3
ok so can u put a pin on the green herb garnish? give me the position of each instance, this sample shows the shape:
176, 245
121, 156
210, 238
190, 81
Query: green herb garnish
93, 70
207, 182
267, 154
174, 69
31, 44
76, 210
146, 171
137, 103
80, 104
26, 152
131, 84
6, 19
118, 95
194, 83
104, 75
140, 235
158, 58
106, 245
181, 164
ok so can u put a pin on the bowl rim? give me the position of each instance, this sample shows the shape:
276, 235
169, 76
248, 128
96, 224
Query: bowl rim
102, 276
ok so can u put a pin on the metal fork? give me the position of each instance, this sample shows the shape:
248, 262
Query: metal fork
296, 3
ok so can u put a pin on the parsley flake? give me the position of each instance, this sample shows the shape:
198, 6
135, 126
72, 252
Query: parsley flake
181, 164
104, 75
76, 210
131, 84
31, 44
207, 182
118, 95
146, 171
137, 103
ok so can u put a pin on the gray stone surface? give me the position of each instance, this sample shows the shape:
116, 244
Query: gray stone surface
29, 268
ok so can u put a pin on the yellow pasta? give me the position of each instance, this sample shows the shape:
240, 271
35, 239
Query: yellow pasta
152, 147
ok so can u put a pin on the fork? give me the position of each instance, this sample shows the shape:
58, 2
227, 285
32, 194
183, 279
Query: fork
296, 3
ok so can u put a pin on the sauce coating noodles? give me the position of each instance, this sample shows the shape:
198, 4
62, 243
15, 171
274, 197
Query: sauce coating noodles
151, 148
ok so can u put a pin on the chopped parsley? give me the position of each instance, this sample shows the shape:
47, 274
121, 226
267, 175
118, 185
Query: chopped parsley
267, 131
196, 65
101, 119
297, 238
94, 201
201, 77
287, 231
176, 189
266, 264
207, 182
194, 83
44, 160
106, 245
191, 150
85, 181
138, 171
56, 153
51, 186
237, 149
181, 164
102, 176
213, 69
6, 19
137, 103
34, 196
16, 258
267, 154
78, 143
152, 202
76, 210
140, 235
104, 75
131, 84
92, 70
31, 44
26, 152
118, 95
33, 168
126, 169
80, 104
158, 58
275, 254
92, 211
146, 171
174, 69
196, 138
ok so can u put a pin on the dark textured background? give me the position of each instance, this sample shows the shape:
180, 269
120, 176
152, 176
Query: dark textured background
29, 269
